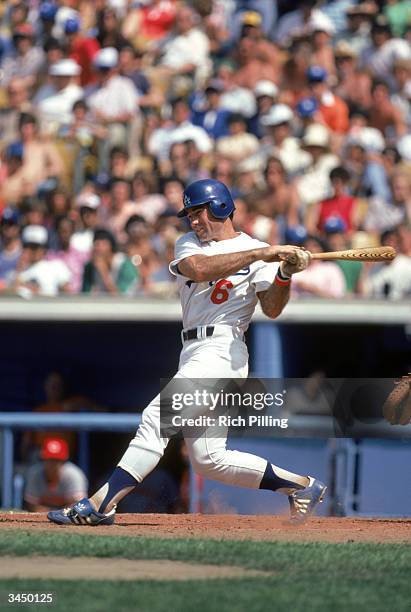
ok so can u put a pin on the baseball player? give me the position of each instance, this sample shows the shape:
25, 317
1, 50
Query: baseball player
221, 274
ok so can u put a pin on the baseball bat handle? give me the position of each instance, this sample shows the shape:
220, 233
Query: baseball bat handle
383, 253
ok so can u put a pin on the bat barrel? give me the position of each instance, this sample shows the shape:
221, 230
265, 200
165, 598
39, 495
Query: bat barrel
384, 253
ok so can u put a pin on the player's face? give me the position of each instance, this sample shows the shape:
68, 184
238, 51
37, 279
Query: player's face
205, 226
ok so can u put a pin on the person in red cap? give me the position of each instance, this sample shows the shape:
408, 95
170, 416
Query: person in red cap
54, 481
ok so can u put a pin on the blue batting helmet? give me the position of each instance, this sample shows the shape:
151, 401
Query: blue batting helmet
213, 193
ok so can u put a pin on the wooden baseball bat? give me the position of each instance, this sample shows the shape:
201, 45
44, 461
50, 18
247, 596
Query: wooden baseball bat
384, 253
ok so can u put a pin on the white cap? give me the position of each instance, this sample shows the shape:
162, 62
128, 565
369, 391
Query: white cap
35, 234
404, 147
88, 200
319, 22
65, 67
266, 88
250, 164
279, 113
106, 58
316, 135
368, 138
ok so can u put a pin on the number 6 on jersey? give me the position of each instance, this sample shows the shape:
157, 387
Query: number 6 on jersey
220, 292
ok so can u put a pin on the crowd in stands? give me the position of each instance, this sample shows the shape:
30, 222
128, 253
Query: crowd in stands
108, 109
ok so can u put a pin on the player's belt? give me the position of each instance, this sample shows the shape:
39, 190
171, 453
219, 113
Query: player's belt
198, 333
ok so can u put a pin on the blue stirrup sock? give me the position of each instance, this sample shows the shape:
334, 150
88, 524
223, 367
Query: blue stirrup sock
273, 482
120, 479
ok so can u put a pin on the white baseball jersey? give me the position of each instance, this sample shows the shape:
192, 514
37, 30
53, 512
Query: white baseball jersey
230, 301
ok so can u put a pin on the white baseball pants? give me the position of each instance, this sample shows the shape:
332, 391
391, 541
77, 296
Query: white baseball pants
221, 356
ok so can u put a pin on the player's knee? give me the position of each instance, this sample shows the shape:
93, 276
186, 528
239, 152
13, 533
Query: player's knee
208, 463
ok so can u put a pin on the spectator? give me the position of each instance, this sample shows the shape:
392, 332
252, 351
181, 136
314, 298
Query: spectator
26, 60
57, 399
121, 206
293, 85
55, 481
18, 101
81, 49
108, 270
185, 51
379, 57
265, 56
314, 185
10, 243
208, 113
359, 20
40, 161
280, 142
109, 30
280, 198
55, 109
173, 188
249, 179
294, 23
239, 144
333, 109
391, 279
145, 24
34, 274
398, 13
382, 214
266, 93
321, 36
114, 103
178, 130
364, 161
307, 112
10, 168
87, 204
69, 255
354, 85
322, 278
335, 231
251, 66
131, 66
235, 98
340, 205
384, 116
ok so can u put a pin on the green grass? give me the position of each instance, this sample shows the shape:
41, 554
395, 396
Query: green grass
305, 576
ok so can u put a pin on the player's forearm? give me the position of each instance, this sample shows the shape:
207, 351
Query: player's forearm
274, 300
203, 268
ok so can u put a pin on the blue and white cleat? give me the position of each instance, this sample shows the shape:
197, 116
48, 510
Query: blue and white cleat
303, 501
81, 513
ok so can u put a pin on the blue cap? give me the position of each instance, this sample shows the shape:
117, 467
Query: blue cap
15, 149
306, 107
316, 74
295, 234
10, 215
71, 26
48, 11
334, 225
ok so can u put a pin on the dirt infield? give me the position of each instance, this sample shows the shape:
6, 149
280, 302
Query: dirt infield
230, 527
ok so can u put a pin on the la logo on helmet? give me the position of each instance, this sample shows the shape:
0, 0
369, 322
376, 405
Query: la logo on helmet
187, 200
